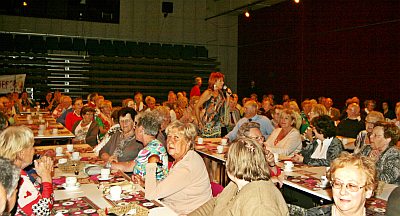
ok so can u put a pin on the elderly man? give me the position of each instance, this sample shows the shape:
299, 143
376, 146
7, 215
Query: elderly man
332, 112
352, 125
250, 115
65, 106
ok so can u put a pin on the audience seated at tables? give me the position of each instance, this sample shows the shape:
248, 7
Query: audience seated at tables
26, 101
252, 130
9, 177
147, 127
74, 116
114, 128
266, 107
48, 101
363, 136
250, 115
353, 124
325, 148
181, 105
233, 115
393, 203
286, 139
250, 191
353, 181
122, 146
86, 130
34, 198
187, 185
384, 152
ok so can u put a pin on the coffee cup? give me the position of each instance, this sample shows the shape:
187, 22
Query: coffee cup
324, 181
70, 147
220, 149
276, 157
115, 192
70, 181
40, 132
75, 156
62, 160
105, 173
199, 140
224, 141
55, 131
288, 165
59, 150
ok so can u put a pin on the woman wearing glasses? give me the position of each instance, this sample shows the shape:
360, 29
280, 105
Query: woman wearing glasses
353, 181
363, 137
86, 130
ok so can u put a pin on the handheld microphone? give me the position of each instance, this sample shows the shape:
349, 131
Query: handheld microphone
227, 90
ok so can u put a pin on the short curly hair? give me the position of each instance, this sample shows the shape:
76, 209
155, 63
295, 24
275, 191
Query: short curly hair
390, 130
324, 125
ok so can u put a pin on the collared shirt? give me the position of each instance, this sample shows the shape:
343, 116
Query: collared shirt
265, 126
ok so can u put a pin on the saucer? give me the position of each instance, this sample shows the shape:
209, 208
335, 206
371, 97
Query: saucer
77, 185
76, 159
148, 204
59, 155
104, 179
287, 170
108, 196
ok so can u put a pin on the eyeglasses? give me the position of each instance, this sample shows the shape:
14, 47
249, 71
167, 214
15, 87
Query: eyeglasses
259, 138
349, 186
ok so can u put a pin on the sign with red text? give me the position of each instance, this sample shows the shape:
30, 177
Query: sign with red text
12, 83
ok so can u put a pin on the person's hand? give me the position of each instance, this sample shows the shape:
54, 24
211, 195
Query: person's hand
298, 158
277, 180
44, 168
308, 134
113, 158
154, 159
137, 179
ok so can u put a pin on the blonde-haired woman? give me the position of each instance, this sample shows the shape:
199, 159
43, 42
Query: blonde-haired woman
250, 192
353, 181
286, 139
187, 185
16, 144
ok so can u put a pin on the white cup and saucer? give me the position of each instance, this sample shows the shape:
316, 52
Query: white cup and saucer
115, 193
324, 182
71, 183
55, 131
70, 147
288, 166
200, 141
75, 156
59, 151
104, 174
224, 141
220, 149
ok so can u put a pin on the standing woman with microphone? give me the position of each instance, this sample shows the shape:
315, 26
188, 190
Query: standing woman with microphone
214, 103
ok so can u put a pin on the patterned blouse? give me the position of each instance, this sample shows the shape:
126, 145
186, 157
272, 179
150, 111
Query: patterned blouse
155, 147
34, 198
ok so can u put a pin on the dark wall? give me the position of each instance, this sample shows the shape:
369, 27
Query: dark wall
338, 49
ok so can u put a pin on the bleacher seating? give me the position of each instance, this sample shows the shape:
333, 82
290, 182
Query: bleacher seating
116, 68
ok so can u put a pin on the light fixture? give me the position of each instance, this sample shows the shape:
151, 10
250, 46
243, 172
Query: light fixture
247, 13
24, 4
296, 1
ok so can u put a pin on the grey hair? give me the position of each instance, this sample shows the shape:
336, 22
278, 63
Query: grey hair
150, 121
244, 129
9, 176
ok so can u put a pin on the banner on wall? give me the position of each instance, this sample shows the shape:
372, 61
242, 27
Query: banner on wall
12, 83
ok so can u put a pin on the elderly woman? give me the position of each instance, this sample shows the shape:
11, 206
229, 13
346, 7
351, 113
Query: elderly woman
353, 181
164, 114
326, 147
383, 150
114, 128
286, 139
246, 193
148, 125
9, 177
187, 186
16, 144
128, 102
189, 114
86, 130
138, 102
363, 137
74, 116
181, 103
122, 146
150, 103
214, 102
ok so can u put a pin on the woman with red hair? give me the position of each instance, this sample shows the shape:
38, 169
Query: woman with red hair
214, 103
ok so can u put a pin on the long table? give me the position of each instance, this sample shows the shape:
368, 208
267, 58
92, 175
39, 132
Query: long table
62, 132
90, 194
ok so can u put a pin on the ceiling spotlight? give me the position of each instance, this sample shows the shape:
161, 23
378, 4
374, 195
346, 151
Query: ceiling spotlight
24, 4
247, 14
296, 1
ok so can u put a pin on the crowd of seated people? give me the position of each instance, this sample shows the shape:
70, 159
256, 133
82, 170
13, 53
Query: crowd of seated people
143, 137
